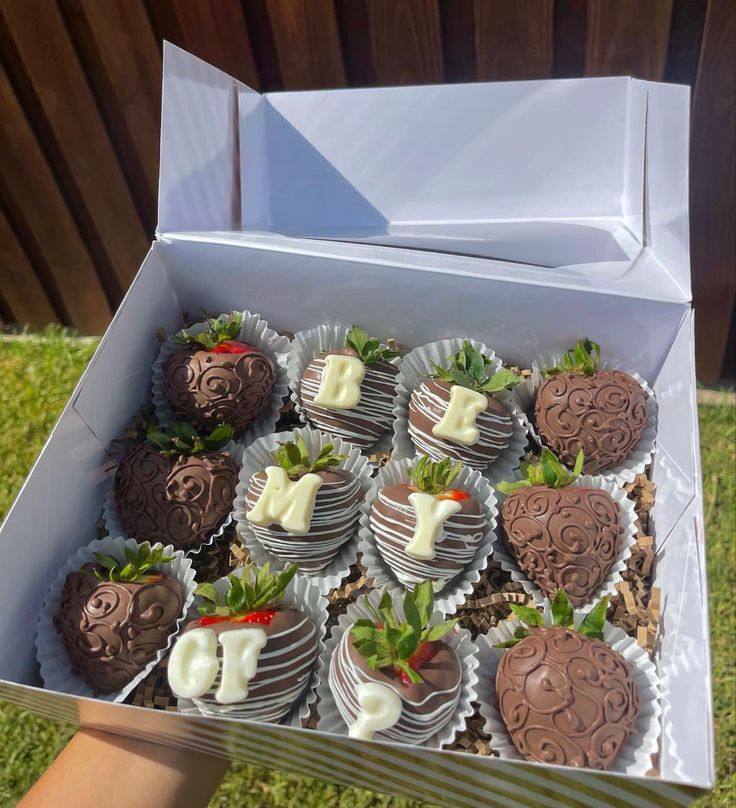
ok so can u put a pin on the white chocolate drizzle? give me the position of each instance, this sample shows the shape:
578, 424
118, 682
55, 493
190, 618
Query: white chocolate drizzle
339, 387
380, 708
431, 513
458, 422
285, 502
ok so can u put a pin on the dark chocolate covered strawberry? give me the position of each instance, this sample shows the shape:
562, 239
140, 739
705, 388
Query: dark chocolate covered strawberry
304, 509
115, 615
562, 536
566, 697
397, 667
425, 529
349, 392
251, 653
454, 412
218, 379
581, 407
176, 487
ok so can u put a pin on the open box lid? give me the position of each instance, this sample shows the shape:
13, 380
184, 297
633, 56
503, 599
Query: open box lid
584, 180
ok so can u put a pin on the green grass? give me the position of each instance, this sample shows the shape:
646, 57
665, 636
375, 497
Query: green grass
37, 377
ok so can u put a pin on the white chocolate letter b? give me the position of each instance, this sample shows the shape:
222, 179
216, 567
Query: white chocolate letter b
193, 665
432, 513
458, 422
380, 708
286, 503
339, 388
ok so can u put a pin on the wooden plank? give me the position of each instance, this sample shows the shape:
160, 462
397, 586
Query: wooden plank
683, 47
54, 89
214, 30
23, 295
352, 23
307, 43
405, 41
513, 40
117, 47
457, 22
36, 206
569, 29
713, 189
627, 38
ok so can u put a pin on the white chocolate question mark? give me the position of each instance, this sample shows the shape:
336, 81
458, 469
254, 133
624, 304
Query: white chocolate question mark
380, 708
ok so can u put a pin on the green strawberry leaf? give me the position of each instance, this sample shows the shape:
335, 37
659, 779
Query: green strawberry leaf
592, 625
527, 615
562, 613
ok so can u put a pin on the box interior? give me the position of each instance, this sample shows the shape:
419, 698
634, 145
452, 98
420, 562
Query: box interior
296, 287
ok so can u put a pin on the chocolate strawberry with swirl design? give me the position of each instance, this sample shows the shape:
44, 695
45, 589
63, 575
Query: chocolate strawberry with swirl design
566, 697
563, 536
218, 379
349, 392
176, 487
582, 407
115, 615
455, 413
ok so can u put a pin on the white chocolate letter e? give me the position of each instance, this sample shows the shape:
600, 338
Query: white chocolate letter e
339, 387
458, 422
431, 513
286, 503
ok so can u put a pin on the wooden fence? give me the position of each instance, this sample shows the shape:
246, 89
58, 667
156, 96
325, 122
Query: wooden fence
80, 96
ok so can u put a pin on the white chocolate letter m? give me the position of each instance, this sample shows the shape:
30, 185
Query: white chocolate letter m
339, 387
285, 502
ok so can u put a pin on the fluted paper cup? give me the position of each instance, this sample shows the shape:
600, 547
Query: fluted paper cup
308, 345
525, 395
55, 665
257, 457
459, 639
301, 593
635, 758
455, 591
253, 331
627, 522
416, 366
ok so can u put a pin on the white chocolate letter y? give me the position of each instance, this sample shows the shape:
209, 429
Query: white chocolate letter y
432, 513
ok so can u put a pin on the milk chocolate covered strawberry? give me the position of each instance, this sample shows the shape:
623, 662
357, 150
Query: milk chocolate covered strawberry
454, 412
566, 697
218, 378
581, 407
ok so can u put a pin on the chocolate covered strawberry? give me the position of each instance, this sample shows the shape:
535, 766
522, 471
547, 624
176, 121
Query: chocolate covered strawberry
566, 696
425, 529
563, 536
455, 414
392, 676
117, 614
303, 509
349, 392
176, 487
218, 379
581, 407
252, 651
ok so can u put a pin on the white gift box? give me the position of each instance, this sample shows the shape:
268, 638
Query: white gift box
552, 210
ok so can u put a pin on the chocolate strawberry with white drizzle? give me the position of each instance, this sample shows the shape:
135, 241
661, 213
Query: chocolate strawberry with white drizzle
455, 414
398, 668
302, 509
251, 653
582, 407
177, 486
425, 529
218, 378
563, 536
349, 392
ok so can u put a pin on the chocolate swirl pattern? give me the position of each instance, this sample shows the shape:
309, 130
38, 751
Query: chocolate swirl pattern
210, 388
427, 706
604, 414
567, 699
175, 500
284, 668
393, 522
566, 538
112, 630
362, 425
428, 405
334, 520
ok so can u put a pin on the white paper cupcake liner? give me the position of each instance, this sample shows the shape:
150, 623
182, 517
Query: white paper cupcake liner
254, 331
627, 521
459, 639
113, 527
417, 366
56, 668
256, 457
454, 593
525, 396
302, 593
635, 758
307, 345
